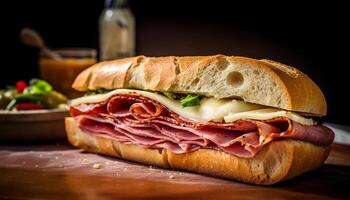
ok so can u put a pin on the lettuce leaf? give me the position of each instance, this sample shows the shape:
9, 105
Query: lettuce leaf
170, 95
190, 100
185, 100
98, 91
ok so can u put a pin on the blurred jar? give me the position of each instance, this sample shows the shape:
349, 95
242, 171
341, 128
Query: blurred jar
61, 73
117, 30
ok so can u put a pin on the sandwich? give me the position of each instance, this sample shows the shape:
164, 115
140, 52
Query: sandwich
232, 117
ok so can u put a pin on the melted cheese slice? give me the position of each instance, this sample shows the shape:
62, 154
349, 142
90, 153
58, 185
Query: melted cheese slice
210, 109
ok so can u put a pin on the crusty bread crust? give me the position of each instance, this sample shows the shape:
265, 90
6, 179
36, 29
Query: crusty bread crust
262, 82
277, 161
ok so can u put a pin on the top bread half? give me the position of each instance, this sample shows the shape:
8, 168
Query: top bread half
263, 82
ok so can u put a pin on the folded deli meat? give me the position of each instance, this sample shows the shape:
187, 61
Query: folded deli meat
227, 116
136, 119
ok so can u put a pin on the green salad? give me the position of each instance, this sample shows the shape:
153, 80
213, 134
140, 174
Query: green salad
38, 94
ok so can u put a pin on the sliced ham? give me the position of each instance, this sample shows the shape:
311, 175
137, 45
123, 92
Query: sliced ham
134, 119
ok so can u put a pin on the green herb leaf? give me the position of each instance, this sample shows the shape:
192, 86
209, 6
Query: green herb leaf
98, 91
102, 91
170, 95
190, 100
89, 93
40, 86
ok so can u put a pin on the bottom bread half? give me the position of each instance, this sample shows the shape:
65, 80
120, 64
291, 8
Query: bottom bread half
277, 161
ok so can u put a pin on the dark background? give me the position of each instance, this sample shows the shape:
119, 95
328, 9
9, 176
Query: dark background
310, 37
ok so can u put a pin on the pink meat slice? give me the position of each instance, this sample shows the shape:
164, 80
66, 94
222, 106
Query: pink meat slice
134, 119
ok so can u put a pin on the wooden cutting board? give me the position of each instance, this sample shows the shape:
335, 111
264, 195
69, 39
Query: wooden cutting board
59, 171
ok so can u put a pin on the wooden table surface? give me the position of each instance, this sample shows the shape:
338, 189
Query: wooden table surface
19, 181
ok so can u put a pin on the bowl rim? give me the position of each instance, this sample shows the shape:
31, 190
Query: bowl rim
33, 115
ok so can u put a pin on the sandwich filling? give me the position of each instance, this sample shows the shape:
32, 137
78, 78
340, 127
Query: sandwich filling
152, 120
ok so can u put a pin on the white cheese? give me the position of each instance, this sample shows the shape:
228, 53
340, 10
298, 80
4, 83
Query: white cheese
210, 109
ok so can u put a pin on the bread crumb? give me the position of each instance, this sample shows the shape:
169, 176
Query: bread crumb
85, 160
56, 158
125, 169
97, 166
107, 163
36, 165
171, 176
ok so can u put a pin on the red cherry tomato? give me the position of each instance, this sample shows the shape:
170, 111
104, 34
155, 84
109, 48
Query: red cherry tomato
20, 86
28, 106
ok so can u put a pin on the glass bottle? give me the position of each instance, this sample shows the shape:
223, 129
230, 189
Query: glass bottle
117, 30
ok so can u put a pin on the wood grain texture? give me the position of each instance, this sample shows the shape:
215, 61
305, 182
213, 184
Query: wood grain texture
16, 182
